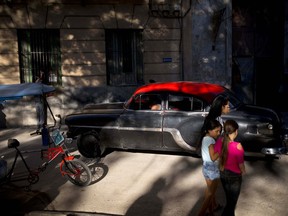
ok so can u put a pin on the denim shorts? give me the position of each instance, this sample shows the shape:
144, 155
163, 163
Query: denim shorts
211, 170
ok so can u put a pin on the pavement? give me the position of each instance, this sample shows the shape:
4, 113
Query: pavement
16, 199
108, 195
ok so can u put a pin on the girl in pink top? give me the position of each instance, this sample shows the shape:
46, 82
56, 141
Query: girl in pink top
235, 157
231, 155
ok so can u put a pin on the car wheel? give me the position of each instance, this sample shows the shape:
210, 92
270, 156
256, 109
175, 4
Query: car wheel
88, 144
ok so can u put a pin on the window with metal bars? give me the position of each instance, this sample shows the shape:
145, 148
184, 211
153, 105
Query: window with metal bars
124, 57
39, 51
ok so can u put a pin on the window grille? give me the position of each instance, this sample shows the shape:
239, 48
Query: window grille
39, 50
124, 57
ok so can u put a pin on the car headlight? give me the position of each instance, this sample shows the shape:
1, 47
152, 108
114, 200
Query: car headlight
270, 126
265, 129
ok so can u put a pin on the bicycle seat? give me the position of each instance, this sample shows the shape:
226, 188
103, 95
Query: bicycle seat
12, 143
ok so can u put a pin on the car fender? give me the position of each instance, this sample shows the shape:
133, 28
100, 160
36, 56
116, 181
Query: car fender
183, 129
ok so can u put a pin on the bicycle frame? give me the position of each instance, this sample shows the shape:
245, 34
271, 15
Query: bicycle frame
32, 175
74, 169
65, 159
14, 177
52, 153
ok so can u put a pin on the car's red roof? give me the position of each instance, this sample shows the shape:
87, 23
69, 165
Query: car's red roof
203, 90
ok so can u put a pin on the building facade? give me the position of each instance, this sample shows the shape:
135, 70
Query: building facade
101, 50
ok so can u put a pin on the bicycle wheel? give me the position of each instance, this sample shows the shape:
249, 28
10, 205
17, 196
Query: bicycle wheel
77, 172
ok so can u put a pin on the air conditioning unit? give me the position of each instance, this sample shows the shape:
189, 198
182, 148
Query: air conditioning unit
166, 10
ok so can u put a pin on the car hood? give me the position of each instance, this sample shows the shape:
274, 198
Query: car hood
87, 115
114, 105
249, 111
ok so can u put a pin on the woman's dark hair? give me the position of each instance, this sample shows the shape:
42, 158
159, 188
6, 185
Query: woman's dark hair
216, 107
212, 124
215, 111
230, 126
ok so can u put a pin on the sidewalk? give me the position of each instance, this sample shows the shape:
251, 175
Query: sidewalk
17, 201
132, 185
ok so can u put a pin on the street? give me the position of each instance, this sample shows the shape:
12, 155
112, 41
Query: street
143, 184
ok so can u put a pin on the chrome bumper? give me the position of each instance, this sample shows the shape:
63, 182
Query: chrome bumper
277, 151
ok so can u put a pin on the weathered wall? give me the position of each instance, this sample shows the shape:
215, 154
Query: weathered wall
211, 43
188, 42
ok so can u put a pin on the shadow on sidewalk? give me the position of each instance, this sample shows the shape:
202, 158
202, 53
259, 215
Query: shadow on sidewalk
18, 201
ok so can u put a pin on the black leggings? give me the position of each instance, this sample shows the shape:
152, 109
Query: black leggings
231, 183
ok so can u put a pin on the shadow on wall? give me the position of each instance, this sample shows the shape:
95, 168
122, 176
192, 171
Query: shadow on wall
87, 95
2, 117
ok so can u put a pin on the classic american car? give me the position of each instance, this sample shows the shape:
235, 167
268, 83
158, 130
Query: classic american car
167, 117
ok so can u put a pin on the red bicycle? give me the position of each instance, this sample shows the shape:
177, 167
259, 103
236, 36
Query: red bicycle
75, 170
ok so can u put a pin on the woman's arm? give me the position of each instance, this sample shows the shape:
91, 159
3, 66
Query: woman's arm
242, 168
213, 155
241, 165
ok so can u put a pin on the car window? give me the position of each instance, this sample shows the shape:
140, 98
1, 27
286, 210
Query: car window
184, 103
146, 102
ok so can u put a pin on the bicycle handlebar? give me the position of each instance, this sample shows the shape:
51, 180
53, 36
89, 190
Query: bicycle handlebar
39, 131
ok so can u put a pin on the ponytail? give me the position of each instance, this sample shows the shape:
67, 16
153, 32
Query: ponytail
230, 126
224, 151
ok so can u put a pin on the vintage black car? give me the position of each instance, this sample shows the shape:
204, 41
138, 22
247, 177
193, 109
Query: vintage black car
167, 117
